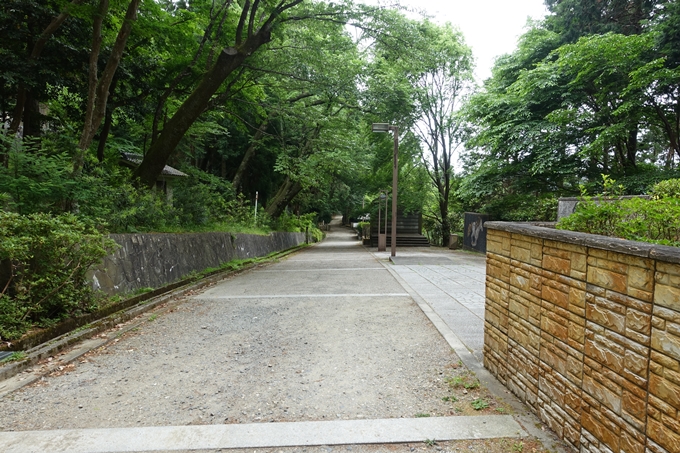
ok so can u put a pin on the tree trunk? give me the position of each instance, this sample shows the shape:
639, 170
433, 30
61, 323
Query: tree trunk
288, 190
23, 91
250, 153
104, 135
32, 116
631, 148
99, 90
230, 59
444, 212
159, 152
106, 129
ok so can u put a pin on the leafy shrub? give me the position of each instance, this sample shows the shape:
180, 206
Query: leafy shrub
365, 228
43, 262
35, 180
656, 221
300, 224
642, 181
669, 188
202, 199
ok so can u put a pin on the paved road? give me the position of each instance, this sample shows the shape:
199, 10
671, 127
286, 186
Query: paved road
334, 345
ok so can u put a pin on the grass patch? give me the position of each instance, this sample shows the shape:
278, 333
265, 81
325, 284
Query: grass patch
479, 404
15, 357
467, 381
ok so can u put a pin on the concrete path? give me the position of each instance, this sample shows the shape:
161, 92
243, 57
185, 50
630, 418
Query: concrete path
448, 287
451, 282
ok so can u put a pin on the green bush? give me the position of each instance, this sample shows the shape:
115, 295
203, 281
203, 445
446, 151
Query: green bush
299, 224
365, 228
523, 208
43, 263
642, 181
203, 199
656, 221
34, 180
669, 188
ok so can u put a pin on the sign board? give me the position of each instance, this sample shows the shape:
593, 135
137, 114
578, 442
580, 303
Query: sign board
475, 234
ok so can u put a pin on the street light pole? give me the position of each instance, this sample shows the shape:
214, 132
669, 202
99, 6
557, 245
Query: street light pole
385, 127
395, 174
381, 236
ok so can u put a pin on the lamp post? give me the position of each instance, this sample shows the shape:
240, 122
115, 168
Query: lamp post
385, 127
382, 240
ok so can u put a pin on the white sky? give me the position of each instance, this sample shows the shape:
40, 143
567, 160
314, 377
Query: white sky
490, 27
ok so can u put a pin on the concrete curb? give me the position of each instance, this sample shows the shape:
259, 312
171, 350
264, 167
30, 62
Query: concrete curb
258, 435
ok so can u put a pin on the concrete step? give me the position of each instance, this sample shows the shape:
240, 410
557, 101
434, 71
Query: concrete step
261, 435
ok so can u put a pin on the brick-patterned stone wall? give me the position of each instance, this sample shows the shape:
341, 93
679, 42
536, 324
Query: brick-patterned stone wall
586, 330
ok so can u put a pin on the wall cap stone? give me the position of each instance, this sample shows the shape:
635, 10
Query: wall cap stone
635, 248
604, 198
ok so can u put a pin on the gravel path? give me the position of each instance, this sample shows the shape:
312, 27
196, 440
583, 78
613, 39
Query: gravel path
325, 334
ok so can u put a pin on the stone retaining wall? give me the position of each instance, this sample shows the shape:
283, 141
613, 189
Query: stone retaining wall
586, 330
155, 260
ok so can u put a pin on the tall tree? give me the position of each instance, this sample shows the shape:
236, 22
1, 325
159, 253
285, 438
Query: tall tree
442, 75
576, 18
99, 84
256, 22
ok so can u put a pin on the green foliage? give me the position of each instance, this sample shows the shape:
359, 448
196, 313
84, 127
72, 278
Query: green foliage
666, 189
594, 89
35, 178
611, 188
203, 199
467, 381
640, 182
15, 357
299, 224
365, 229
43, 262
479, 404
656, 221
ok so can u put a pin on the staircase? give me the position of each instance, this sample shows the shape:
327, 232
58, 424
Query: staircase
408, 232
403, 240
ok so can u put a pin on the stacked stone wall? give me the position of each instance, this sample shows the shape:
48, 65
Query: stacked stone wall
154, 260
586, 331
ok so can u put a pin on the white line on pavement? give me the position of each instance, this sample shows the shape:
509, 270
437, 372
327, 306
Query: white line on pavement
325, 270
293, 296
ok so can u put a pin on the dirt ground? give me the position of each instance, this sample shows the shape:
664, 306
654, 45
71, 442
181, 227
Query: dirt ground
242, 361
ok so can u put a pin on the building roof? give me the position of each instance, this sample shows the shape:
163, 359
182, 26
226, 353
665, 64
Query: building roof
134, 159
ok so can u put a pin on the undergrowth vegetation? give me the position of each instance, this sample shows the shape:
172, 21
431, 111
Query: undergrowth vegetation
54, 225
43, 262
655, 220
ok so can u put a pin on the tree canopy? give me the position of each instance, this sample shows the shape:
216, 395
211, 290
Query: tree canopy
591, 90
276, 98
